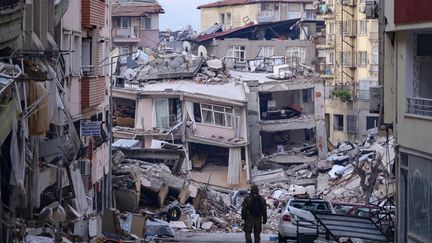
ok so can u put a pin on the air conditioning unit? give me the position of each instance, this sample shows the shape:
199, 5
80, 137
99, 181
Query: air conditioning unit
371, 9
85, 167
375, 99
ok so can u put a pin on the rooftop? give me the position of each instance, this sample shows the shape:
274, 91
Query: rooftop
136, 9
244, 2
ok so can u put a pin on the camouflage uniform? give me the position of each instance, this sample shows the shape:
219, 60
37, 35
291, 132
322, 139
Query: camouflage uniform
253, 223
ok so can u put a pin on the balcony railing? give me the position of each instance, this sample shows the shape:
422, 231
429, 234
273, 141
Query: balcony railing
326, 69
419, 106
126, 32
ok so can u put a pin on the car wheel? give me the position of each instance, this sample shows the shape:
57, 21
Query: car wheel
281, 239
174, 213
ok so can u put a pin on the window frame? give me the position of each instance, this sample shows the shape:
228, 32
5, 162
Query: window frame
268, 51
336, 122
300, 50
229, 118
237, 52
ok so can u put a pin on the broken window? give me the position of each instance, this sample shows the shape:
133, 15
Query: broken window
217, 115
167, 112
338, 122
371, 122
352, 124
237, 53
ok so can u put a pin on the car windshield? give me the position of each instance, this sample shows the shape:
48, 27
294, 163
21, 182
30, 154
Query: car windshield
314, 206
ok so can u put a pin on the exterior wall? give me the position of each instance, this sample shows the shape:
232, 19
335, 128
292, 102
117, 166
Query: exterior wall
210, 16
149, 38
220, 48
70, 31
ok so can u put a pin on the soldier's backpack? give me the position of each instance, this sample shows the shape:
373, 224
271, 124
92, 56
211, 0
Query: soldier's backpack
256, 206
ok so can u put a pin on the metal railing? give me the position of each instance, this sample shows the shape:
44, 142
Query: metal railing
419, 106
326, 69
88, 70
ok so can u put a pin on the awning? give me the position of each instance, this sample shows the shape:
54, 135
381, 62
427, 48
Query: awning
351, 226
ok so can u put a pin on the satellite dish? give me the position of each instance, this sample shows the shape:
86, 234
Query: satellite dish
187, 46
202, 51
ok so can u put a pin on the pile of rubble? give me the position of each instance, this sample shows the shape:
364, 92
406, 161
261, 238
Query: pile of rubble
149, 66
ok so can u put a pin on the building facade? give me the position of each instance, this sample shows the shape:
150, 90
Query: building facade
349, 64
408, 107
135, 25
234, 13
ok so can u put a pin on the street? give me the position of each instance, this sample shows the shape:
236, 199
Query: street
216, 237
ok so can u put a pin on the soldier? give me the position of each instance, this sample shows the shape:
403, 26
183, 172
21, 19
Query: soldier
254, 213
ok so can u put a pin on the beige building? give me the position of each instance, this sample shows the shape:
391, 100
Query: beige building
349, 64
408, 107
236, 13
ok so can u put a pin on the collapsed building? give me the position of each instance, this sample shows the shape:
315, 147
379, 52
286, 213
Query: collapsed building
287, 115
184, 102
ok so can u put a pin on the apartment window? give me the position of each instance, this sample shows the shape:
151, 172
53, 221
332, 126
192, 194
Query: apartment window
146, 23
338, 122
67, 46
267, 9
228, 19
76, 55
345, 58
222, 18
307, 95
363, 26
299, 52
351, 124
266, 51
237, 52
331, 28
371, 122
123, 51
123, 22
362, 56
310, 15
217, 115
374, 55
294, 11
161, 107
331, 58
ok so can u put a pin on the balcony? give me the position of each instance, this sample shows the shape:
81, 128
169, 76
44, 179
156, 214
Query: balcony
326, 70
419, 106
130, 34
349, 28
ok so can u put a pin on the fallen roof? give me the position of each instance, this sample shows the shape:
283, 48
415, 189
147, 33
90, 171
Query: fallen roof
244, 2
276, 28
136, 9
230, 90
351, 226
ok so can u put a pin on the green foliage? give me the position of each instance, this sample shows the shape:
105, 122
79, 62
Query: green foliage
343, 94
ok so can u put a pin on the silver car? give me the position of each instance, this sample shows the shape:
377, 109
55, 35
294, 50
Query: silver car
296, 218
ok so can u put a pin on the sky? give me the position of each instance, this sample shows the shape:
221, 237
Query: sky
179, 13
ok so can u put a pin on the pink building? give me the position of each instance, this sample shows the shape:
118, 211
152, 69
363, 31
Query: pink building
135, 24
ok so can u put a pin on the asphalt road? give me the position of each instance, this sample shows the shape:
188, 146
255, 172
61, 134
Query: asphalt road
215, 237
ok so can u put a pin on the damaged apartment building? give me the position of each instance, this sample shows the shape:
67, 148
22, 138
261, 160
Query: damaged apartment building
185, 112
46, 89
287, 115
266, 30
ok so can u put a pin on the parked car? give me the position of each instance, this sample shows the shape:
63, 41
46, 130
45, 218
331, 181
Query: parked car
357, 209
297, 218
